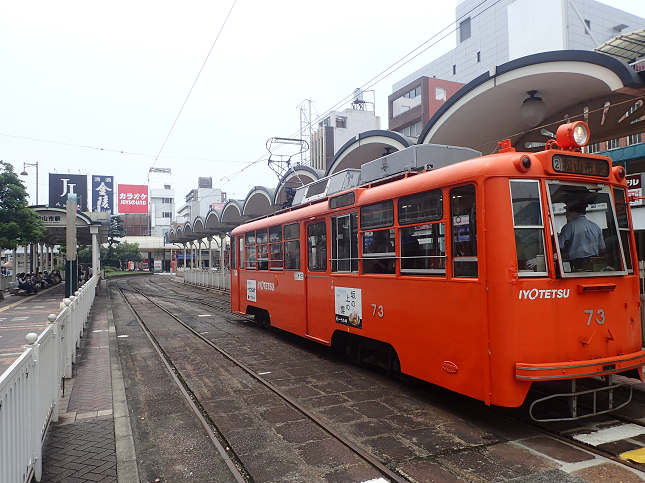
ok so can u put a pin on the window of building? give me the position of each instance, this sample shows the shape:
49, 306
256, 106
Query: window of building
341, 121
413, 131
634, 139
613, 143
440, 93
317, 247
166, 187
479, 56
454, 69
166, 214
166, 200
464, 231
588, 23
593, 148
464, 30
344, 247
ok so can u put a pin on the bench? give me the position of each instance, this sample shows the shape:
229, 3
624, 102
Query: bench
14, 289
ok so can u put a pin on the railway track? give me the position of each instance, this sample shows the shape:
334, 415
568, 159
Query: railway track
571, 433
217, 438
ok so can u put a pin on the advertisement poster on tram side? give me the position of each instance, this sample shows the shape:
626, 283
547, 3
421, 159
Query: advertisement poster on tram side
133, 198
251, 291
348, 306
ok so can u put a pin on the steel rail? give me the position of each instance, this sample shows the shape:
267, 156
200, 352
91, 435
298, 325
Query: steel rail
325, 427
233, 467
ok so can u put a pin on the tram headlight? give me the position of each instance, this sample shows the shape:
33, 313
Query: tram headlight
522, 163
619, 173
572, 135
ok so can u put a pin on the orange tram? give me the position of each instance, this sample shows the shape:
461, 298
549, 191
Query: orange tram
482, 275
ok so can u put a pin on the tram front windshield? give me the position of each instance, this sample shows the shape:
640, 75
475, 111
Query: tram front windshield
583, 218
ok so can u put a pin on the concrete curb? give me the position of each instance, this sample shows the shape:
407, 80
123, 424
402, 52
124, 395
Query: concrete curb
126, 460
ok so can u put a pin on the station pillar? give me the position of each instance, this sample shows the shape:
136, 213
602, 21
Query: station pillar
96, 254
222, 247
71, 267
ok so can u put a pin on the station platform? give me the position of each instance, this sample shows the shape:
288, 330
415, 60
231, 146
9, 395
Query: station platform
92, 433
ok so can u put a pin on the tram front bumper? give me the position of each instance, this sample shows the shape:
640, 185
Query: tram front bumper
553, 371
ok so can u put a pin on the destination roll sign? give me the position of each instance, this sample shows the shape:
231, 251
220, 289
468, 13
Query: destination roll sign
580, 166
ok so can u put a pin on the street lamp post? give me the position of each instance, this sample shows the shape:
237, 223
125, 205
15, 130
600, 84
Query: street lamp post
24, 173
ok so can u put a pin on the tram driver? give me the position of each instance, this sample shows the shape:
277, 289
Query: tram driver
580, 239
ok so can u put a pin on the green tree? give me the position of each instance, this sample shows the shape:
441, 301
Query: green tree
19, 224
117, 230
128, 252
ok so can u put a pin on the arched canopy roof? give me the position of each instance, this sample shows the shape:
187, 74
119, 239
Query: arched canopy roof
294, 178
365, 147
55, 220
487, 109
259, 202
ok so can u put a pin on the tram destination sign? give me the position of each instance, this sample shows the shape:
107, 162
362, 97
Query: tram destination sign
581, 166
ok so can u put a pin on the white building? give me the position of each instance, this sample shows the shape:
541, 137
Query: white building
336, 129
201, 200
161, 201
494, 33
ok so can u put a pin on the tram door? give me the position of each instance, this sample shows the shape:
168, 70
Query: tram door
237, 262
318, 285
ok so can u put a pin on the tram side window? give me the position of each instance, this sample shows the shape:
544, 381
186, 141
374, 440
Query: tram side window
250, 250
378, 215
317, 247
622, 216
241, 244
464, 231
378, 251
275, 240
344, 247
423, 244
261, 239
292, 247
233, 252
529, 227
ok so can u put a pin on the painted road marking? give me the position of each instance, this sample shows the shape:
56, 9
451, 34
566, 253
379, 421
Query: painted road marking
610, 435
205, 315
636, 456
38, 306
263, 373
98, 330
377, 480
19, 319
123, 336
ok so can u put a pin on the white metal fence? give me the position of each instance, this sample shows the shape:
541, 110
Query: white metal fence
208, 278
30, 388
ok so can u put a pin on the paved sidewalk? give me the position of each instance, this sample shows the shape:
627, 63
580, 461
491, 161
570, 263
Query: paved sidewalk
91, 442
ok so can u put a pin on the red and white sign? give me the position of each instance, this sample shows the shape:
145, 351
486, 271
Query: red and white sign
133, 198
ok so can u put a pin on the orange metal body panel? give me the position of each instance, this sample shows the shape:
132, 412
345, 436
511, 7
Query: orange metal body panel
478, 337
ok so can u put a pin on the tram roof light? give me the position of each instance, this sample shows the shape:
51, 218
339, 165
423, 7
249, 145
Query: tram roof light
573, 135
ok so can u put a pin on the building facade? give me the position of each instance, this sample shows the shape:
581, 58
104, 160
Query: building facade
161, 201
412, 106
492, 33
337, 128
201, 200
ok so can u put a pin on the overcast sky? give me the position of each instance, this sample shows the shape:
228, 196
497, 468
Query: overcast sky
94, 88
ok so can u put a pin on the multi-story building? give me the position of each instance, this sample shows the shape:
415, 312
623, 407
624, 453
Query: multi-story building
494, 32
161, 201
337, 128
201, 200
412, 106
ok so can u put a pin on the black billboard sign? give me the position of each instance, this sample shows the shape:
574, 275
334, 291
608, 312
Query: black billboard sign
61, 185
103, 193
